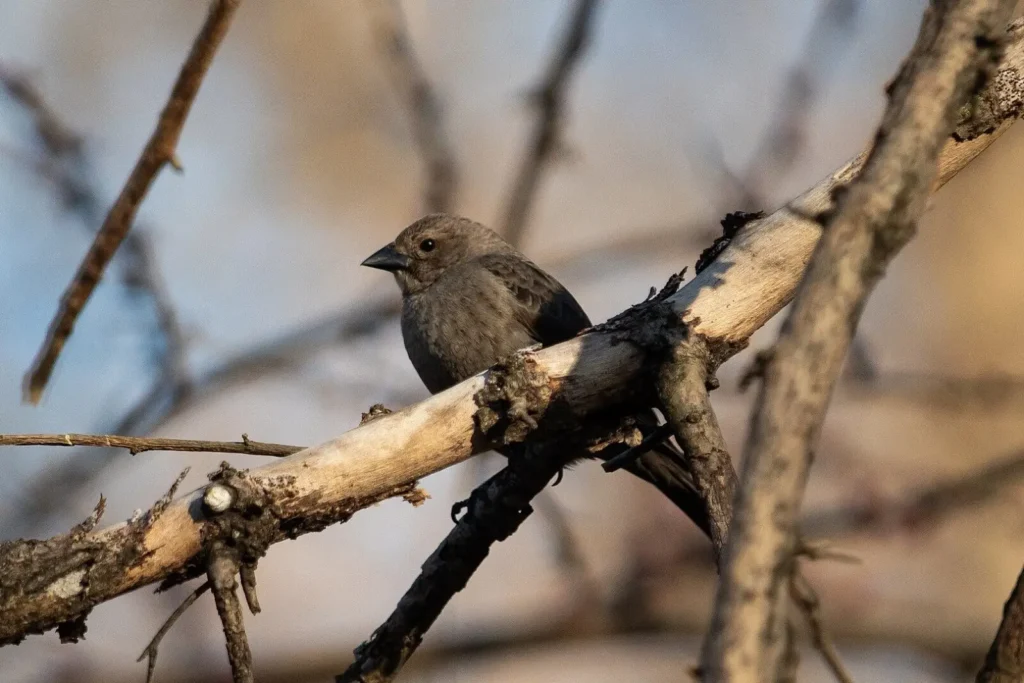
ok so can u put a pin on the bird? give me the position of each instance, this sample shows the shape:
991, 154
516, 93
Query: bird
470, 299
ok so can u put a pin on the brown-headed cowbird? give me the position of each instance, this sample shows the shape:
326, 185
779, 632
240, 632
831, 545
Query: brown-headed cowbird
470, 299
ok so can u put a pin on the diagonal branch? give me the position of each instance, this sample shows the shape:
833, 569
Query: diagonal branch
730, 299
424, 107
957, 49
159, 151
545, 138
1004, 662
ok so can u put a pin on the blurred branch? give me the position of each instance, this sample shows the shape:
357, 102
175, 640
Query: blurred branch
786, 135
807, 601
159, 150
312, 489
424, 107
1004, 662
929, 505
549, 98
958, 47
136, 444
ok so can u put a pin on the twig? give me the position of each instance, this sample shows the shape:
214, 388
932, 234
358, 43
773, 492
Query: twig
221, 571
807, 600
958, 46
1004, 662
545, 138
136, 444
495, 510
424, 107
152, 649
159, 150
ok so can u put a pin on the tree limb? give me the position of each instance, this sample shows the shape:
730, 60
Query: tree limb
160, 150
958, 46
730, 299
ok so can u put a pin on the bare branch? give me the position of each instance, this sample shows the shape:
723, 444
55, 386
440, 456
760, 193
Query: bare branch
682, 387
494, 512
549, 97
958, 46
930, 505
137, 445
1004, 662
807, 600
159, 150
745, 286
425, 111
221, 571
151, 651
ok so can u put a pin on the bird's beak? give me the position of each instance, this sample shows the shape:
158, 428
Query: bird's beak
387, 258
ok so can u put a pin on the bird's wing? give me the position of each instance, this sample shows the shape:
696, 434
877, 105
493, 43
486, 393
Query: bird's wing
546, 308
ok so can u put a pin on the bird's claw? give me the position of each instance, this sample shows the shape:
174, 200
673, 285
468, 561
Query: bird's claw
559, 476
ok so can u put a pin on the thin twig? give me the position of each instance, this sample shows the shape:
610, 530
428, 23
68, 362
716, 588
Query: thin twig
136, 444
159, 150
424, 107
151, 650
807, 600
221, 571
545, 139
959, 44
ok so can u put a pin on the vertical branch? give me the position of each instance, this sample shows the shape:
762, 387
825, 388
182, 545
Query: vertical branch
424, 107
159, 151
221, 571
549, 97
957, 47
682, 388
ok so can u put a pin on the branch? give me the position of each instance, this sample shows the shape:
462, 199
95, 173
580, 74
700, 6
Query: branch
159, 150
425, 109
929, 505
1004, 662
957, 48
223, 567
731, 298
137, 445
550, 101
495, 511
682, 387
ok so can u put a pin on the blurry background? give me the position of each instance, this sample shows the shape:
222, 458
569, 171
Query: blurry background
238, 306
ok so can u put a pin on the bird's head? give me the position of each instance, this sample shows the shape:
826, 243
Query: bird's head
426, 249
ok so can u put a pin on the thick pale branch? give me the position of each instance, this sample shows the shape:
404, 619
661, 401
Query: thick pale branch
726, 302
957, 48
159, 151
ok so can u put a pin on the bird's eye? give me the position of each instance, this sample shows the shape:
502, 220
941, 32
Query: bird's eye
427, 245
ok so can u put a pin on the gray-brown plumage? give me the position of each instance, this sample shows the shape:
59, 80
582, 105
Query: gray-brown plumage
470, 299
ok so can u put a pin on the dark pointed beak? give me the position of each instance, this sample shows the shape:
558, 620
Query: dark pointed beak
387, 259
